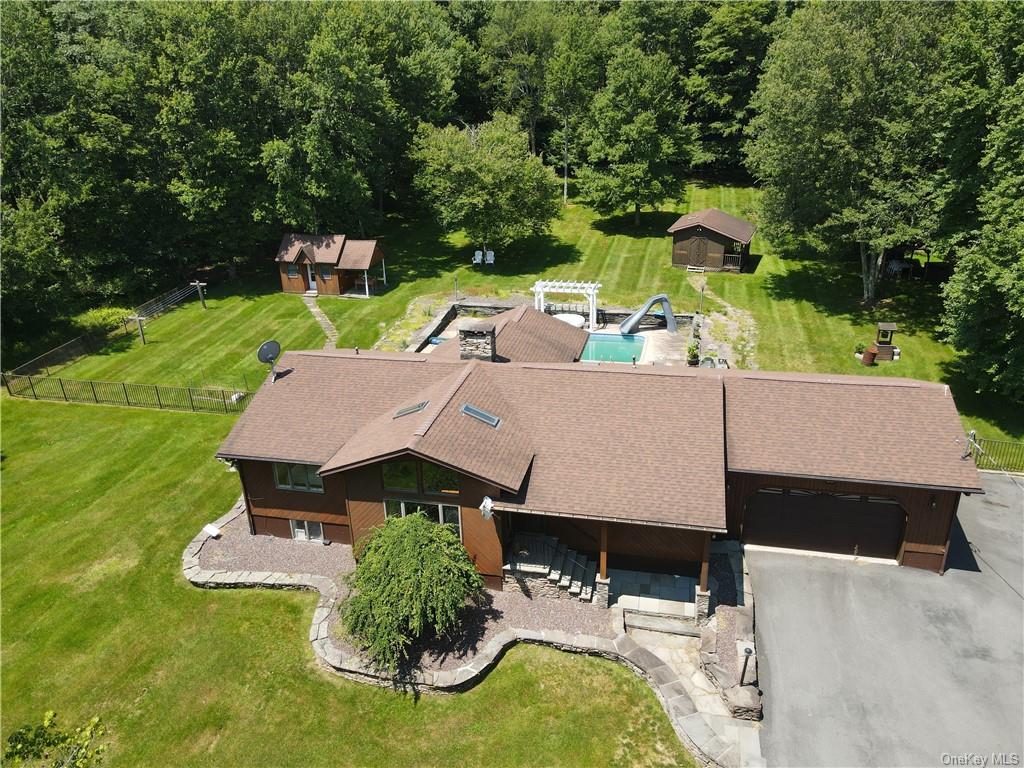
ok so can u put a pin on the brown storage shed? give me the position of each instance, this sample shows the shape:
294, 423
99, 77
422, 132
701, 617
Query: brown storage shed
710, 239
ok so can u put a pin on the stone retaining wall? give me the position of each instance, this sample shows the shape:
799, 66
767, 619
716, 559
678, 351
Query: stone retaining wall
689, 725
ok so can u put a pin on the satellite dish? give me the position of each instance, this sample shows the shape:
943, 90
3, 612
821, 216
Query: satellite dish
268, 352
487, 508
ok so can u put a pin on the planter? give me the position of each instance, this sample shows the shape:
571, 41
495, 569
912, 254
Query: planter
692, 361
868, 356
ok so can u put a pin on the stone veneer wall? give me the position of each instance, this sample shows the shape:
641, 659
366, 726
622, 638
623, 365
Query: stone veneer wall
535, 584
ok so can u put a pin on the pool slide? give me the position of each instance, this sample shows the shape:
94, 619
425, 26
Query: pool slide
633, 321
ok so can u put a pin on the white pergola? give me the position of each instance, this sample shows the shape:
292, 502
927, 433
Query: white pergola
568, 286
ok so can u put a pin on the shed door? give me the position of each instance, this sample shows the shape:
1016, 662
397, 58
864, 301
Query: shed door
699, 252
821, 522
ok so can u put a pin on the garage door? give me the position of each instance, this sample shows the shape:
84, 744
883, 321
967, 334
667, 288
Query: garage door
847, 525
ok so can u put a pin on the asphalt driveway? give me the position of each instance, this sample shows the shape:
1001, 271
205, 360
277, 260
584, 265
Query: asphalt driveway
865, 664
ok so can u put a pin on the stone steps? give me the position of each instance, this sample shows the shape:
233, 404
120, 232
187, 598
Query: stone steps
570, 572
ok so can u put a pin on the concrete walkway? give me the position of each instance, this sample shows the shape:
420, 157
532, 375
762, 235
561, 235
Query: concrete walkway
329, 330
694, 730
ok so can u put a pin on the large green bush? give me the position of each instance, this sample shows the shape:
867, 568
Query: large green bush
413, 577
100, 319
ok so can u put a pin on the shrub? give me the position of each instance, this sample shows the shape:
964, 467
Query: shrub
859, 348
100, 319
693, 351
47, 745
413, 576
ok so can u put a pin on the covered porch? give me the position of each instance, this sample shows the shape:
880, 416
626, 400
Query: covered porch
639, 568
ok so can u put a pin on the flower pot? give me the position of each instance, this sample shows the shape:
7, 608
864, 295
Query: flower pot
692, 361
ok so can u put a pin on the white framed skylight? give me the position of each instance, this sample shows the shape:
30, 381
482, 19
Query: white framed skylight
480, 414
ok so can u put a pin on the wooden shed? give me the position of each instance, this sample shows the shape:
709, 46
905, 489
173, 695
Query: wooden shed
710, 239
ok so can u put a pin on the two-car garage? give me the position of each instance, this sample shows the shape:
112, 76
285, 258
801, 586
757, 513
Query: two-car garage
840, 523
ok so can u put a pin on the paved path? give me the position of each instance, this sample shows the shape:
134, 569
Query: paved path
868, 664
325, 322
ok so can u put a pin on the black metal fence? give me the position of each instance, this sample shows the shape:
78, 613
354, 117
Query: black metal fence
1006, 455
122, 393
60, 357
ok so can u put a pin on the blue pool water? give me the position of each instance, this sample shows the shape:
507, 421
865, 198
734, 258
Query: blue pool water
612, 348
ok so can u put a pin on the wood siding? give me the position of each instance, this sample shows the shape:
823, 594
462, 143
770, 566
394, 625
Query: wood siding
365, 501
329, 287
267, 500
482, 538
689, 244
930, 513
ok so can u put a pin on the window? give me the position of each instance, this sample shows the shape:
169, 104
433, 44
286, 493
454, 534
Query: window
400, 476
444, 514
481, 415
437, 479
293, 270
298, 477
307, 530
325, 271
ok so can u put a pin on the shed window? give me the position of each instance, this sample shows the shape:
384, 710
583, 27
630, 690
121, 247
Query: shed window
293, 270
298, 477
325, 272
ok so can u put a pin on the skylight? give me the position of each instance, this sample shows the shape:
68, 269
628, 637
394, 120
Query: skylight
481, 415
410, 409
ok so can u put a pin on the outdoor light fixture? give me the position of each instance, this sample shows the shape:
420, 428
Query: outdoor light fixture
487, 508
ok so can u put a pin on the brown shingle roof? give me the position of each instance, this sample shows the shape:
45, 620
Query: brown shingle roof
358, 254
322, 249
442, 433
718, 221
306, 415
526, 335
897, 431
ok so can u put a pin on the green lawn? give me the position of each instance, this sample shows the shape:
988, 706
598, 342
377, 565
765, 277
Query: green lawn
190, 346
808, 310
97, 620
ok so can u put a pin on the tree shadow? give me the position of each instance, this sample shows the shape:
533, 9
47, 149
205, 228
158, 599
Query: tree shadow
988, 406
833, 286
466, 640
750, 263
652, 224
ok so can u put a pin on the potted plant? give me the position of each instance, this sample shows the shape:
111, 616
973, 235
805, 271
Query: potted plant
693, 353
859, 348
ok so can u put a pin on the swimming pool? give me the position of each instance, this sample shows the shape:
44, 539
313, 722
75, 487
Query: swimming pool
612, 348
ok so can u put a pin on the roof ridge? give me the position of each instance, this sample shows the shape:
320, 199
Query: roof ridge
432, 413
850, 380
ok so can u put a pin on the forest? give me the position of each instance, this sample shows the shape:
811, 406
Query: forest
144, 141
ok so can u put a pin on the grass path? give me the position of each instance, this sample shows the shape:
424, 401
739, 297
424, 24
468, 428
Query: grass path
97, 620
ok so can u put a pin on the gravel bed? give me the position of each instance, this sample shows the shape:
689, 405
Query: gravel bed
239, 550
726, 640
500, 611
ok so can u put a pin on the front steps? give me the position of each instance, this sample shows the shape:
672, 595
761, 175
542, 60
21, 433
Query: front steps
542, 566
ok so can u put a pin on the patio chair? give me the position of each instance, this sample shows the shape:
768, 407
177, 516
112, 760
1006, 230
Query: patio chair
478, 257
489, 258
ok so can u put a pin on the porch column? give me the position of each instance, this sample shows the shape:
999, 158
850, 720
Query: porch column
703, 597
366, 283
593, 311
604, 550
704, 563
384, 271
